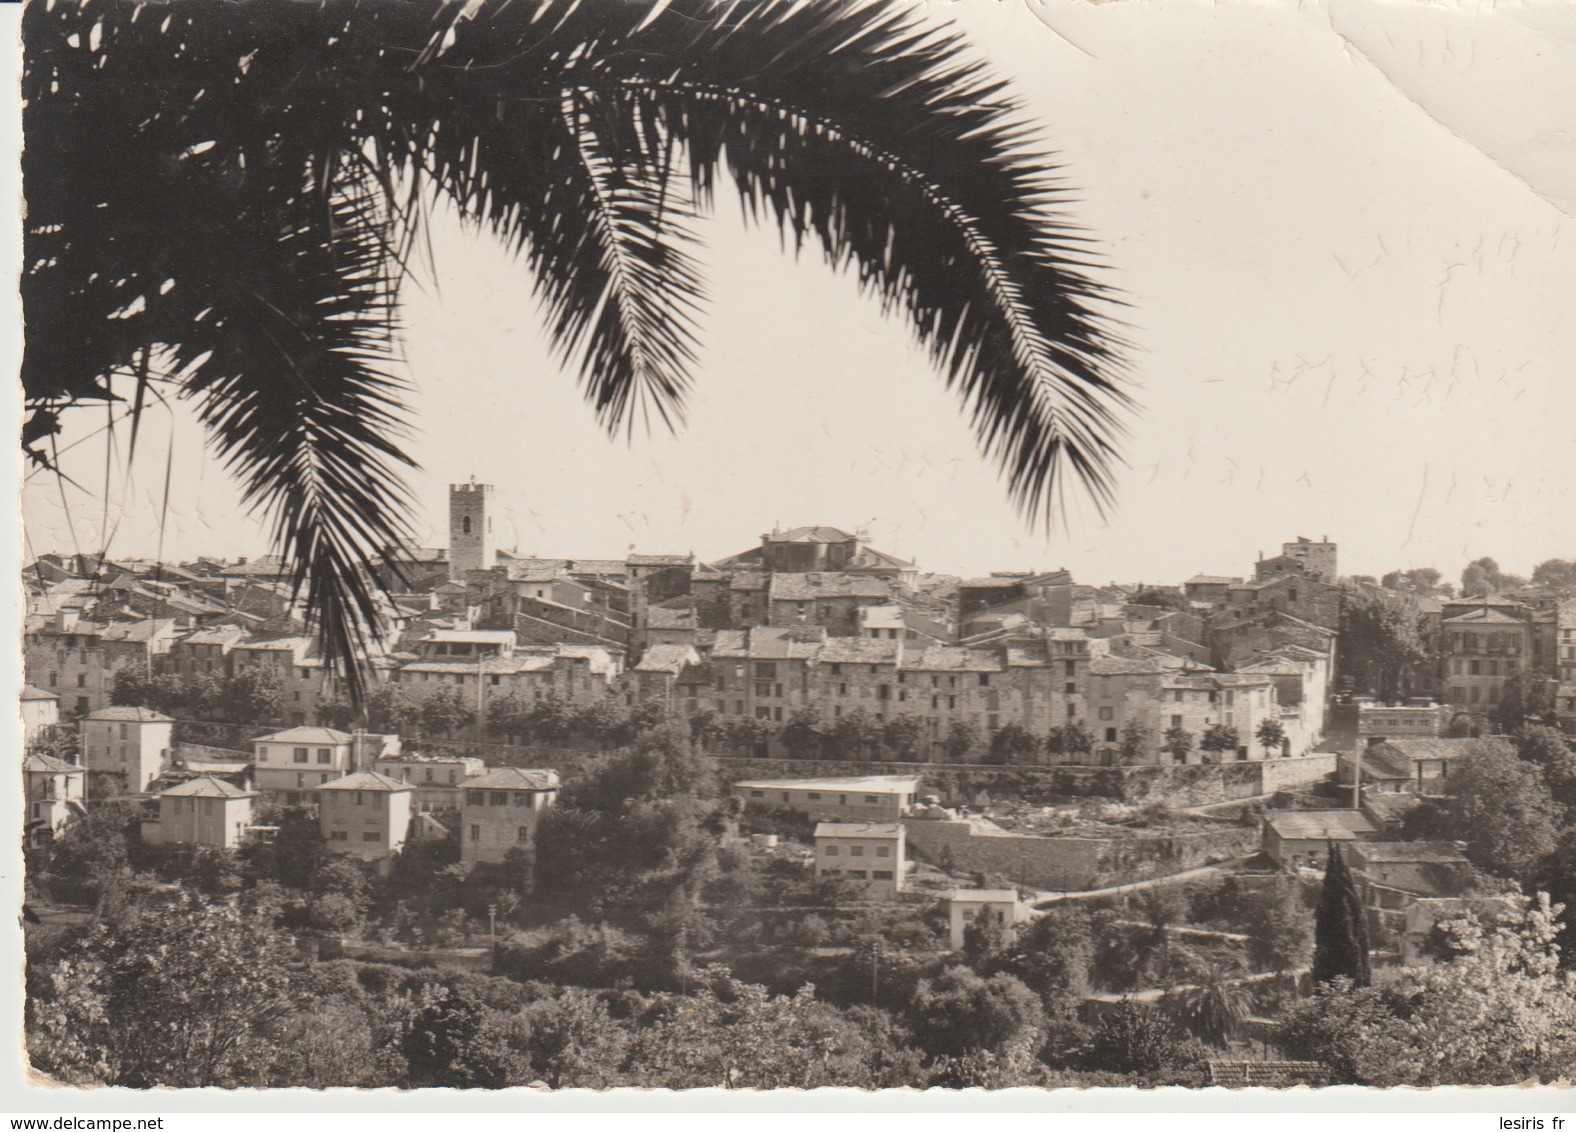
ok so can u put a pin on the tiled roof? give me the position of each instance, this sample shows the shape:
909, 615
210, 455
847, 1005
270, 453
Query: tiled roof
660, 559
1267, 1074
864, 784
667, 658
949, 658
1330, 825
811, 534
514, 778
206, 787
120, 712
31, 693
470, 637
1122, 666
269, 566
1211, 580
48, 764
658, 617
1483, 617
858, 829
1418, 749
487, 665
807, 587
1409, 853
366, 780
305, 735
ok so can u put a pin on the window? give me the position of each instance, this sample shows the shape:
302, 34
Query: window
522, 833
1176, 697
123, 731
497, 798
300, 754
522, 797
1110, 734
339, 835
372, 835
765, 671
757, 793
82, 679
476, 833
325, 755
984, 679
1069, 668
1176, 721
881, 874
857, 874
883, 851
872, 800
360, 798
815, 797
465, 525
1107, 713
475, 798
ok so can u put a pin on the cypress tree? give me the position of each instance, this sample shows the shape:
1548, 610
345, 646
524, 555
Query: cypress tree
1340, 928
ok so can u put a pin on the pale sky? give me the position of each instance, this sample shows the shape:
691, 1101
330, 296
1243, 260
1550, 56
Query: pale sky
1342, 231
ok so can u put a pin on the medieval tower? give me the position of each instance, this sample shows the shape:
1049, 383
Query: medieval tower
470, 529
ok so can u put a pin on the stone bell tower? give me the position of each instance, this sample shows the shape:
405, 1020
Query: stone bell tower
470, 529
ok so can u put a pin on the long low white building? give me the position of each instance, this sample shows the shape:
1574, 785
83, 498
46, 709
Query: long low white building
884, 797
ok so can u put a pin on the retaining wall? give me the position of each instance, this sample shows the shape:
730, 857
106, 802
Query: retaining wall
1073, 863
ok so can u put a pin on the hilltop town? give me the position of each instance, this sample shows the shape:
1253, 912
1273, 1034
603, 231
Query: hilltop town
1010, 829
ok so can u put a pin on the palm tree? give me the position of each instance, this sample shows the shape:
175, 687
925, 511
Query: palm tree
223, 200
1215, 1004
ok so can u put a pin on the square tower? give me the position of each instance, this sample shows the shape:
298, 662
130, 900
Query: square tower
470, 529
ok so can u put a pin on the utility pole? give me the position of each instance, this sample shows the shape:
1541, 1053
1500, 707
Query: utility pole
492, 923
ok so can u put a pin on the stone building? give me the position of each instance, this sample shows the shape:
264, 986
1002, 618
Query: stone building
471, 545
868, 853
365, 815
54, 794
201, 811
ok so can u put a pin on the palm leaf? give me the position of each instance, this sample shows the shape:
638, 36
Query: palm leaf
241, 187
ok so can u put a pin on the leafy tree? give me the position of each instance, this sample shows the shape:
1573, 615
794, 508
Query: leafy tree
854, 735
958, 1012
455, 1040
1070, 740
1381, 639
703, 727
1279, 927
180, 996
801, 736
446, 711
1340, 927
903, 734
1053, 955
1424, 580
618, 119
1271, 736
962, 738
93, 850
1136, 1039
1527, 698
745, 736
1555, 574
1179, 742
1483, 577
1500, 1013
1012, 744
1218, 739
1496, 803
1550, 751
390, 710
1137, 743
253, 695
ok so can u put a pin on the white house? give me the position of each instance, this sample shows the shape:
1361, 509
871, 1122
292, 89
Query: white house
365, 814
133, 742
868, 852
40, 714
502, 810
966, 906
294, 762
54, 796
201, 811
